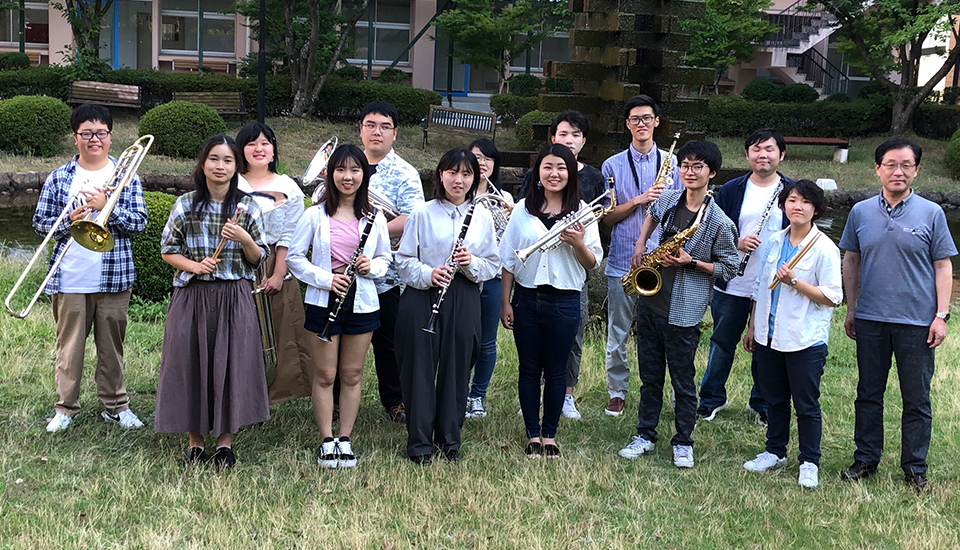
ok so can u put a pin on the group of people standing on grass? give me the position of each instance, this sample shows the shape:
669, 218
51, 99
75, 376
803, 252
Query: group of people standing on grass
427, 283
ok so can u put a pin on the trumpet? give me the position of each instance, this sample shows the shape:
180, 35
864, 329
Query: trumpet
590, 213
90, 234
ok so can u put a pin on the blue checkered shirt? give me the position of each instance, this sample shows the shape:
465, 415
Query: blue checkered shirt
128, 218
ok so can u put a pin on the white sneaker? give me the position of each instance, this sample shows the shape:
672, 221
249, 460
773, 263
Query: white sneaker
808, 475
475, 408
570, 407
636, 447
59, 422
126, 419
765, 461
345, 456
683, 456
327, 454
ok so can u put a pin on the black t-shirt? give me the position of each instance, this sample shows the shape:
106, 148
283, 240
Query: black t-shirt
659, 303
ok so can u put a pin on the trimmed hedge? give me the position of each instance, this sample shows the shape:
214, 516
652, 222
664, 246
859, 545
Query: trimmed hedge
344, 100
838, 97
761, 89
524, 128
509, 107
351, 72
800, 93
180, 127
524, 85
154, 276
14, 60
558, 85
50, 81
33, 125
936, 121
392, 75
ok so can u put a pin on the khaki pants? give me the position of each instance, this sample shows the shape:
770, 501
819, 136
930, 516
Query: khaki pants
75, 314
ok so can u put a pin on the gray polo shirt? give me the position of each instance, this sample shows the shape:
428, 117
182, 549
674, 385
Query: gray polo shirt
897, 248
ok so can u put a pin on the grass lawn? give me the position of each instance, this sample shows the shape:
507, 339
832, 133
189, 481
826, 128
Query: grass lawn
300, 139
96, 486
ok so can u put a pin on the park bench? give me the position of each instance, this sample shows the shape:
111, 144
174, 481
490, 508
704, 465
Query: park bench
446, 120
37, 58
839, 154
191, 66
225, 103
102, 93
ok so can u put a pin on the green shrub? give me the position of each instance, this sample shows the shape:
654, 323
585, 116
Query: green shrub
351, 73
951, 94
179, 127
873, 90
838, 97
509, 107
525, 85
951, 159
14, 60
936, 120
761, 89
33, 125
154, 276
799, 93
49, 81
558, 85
340, 99
392, 75
524, 128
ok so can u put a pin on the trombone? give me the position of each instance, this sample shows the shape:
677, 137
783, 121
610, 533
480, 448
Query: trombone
90, 234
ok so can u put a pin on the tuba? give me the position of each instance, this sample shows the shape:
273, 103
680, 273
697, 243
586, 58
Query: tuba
645, 280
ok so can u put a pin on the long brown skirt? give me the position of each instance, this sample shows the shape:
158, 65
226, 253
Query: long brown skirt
295, 363
211, 367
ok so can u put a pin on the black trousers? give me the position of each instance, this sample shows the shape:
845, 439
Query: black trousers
384, 353
435, 368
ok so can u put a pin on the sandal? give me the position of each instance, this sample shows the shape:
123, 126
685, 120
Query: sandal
534, 449
551, 450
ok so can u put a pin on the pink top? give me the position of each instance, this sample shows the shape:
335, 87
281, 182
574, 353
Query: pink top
344, 239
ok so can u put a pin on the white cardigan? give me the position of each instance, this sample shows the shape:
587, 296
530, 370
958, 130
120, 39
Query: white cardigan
313, 229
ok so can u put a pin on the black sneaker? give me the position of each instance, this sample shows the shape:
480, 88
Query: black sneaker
422, 460
224, 458
194, 456
453, 455
859, 470
918, 482
397, 414
760, 416
327, 453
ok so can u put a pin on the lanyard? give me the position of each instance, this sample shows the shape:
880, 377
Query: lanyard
633, 169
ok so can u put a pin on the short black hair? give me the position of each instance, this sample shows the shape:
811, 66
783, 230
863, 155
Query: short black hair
642, 100
87, 112
454, 159
899, 143
702, 150
380, 108
808, 190
763, 134
251, 132
489, 150
573, 118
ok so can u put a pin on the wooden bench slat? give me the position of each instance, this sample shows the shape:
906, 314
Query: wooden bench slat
459, 122
114, 95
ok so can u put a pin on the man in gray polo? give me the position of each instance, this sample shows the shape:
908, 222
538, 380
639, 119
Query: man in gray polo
898, 278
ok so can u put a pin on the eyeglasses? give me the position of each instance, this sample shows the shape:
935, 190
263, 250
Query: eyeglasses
892, 166
482, 158
695, 168
384, 128
87, 135
646, 120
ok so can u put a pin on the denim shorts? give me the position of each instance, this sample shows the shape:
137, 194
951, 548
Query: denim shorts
347, 322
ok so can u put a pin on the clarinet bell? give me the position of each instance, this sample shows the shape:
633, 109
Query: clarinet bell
431, 325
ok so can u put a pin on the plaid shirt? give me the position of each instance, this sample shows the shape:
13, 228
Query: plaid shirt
715, 240
129, 217
399, 182
195, 235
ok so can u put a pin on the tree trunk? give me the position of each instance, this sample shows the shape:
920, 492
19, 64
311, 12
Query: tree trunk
902, 119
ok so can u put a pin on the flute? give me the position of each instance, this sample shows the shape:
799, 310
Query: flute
432, 322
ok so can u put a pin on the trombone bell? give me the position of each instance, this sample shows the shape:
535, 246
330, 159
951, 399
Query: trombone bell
91, 235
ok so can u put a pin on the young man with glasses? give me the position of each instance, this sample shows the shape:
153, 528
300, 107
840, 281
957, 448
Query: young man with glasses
91, 289
668, 322
748, 200
399, 182
898, 279
634, 171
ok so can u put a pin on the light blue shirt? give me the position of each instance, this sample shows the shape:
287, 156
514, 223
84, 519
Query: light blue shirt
399, 182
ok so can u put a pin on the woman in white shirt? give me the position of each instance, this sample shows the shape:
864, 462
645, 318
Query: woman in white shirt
281, 202
435, 368
545, 311
335, 229
790, 338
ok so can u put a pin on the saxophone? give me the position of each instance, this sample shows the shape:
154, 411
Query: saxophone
645, 280
665, 174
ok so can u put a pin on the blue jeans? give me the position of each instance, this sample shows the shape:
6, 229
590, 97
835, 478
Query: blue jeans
544, 326
489, 323
730, 316
876, 343
796, 375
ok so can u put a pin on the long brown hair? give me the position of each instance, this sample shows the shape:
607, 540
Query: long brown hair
234, 194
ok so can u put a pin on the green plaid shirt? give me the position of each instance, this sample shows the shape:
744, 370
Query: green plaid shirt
195, 235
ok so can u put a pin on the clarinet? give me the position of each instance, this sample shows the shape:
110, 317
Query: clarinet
351, 272
432, 323
758, 229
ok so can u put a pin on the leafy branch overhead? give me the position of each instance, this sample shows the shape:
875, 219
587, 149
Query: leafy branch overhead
727, 34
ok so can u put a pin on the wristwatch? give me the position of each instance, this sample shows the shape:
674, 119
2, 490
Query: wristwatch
943, 315
793, 282
692, 264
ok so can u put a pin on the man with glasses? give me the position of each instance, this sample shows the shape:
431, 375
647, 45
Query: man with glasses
751, 202
399, 182
91, 289
898, 279
634, 171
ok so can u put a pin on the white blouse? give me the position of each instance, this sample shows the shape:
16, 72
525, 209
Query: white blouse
314, 230
428, 237
558, 267
279, 222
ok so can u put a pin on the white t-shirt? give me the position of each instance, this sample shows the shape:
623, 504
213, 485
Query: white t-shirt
80, 268
755, 201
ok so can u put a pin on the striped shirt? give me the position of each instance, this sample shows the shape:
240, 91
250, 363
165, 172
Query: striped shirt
623, 235
195, 235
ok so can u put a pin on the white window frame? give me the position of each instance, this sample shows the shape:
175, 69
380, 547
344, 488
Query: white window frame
377, 26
